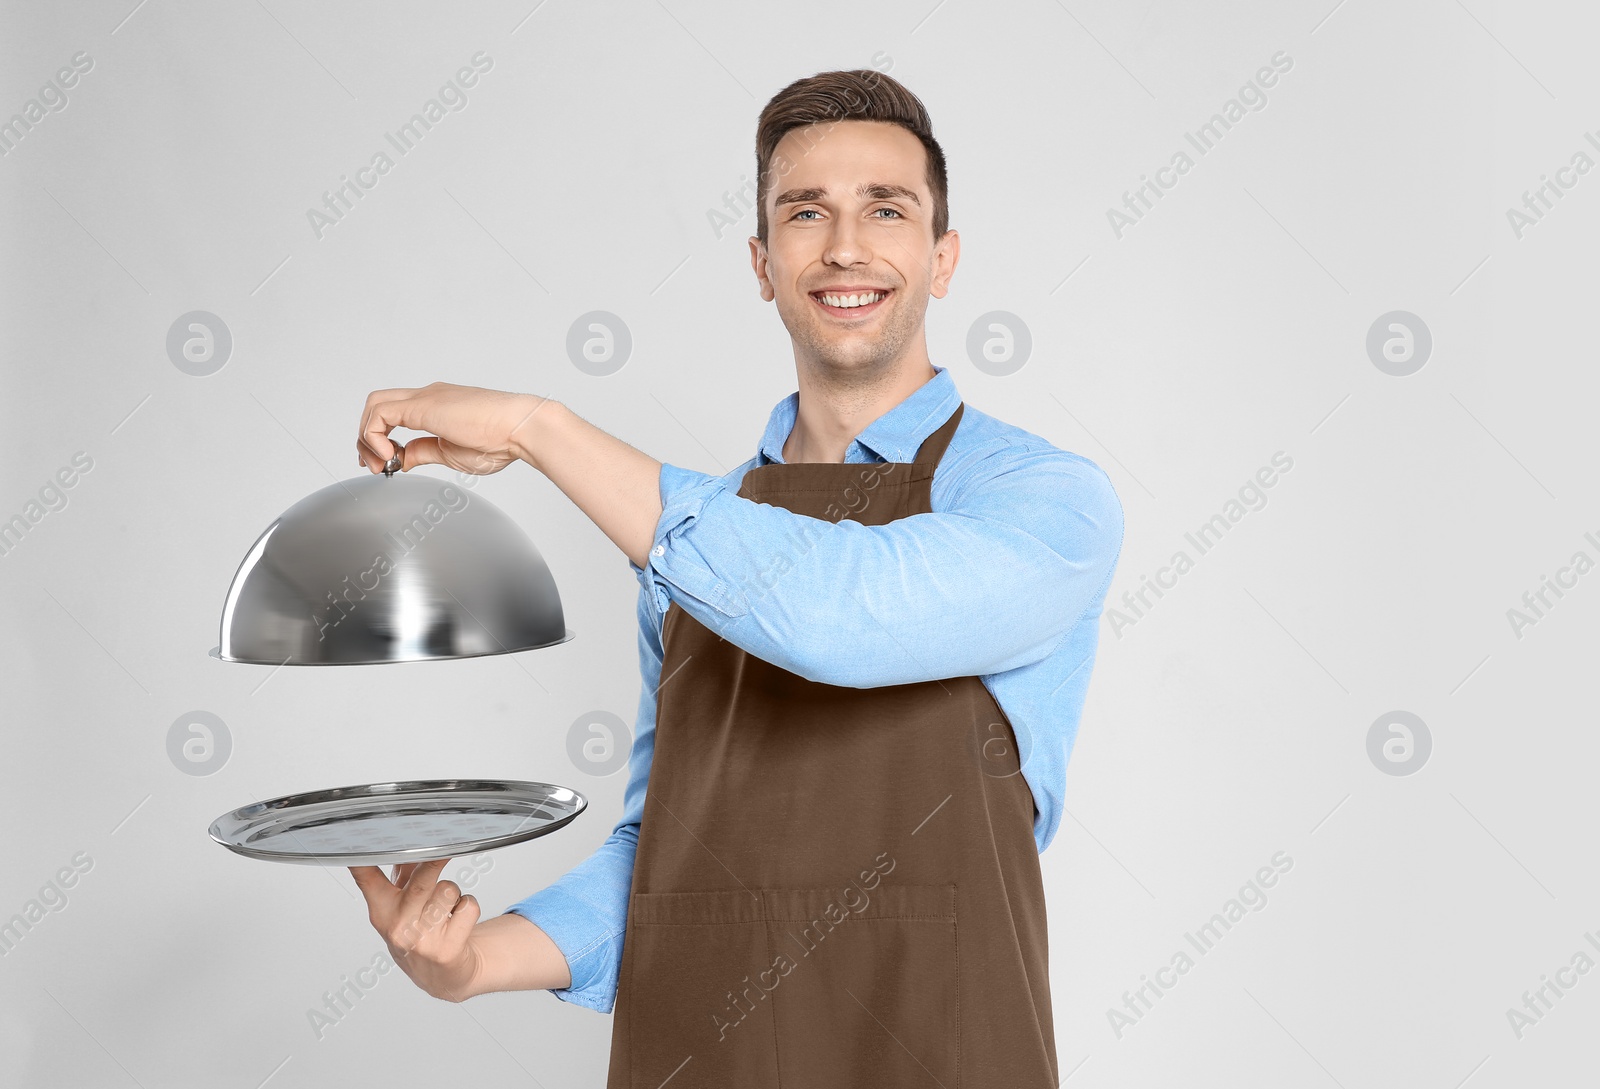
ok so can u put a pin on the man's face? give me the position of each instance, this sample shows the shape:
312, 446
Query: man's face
849, 213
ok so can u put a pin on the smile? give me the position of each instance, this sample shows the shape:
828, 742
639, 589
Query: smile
852, 304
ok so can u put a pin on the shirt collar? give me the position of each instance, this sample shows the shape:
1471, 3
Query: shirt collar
895, 436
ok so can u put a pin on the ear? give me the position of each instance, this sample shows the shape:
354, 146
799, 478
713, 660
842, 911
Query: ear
758, 262
945, 256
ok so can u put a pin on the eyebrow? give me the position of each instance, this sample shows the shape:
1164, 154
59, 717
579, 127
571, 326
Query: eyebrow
874, 190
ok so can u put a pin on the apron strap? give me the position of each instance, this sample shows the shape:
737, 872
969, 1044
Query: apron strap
933, 447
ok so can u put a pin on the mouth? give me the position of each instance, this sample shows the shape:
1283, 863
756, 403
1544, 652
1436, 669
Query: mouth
851, 305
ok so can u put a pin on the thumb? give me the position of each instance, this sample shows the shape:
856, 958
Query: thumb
429, 450
432, 450
423, 450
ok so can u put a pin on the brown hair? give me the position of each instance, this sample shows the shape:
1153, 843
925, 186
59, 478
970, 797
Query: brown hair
859, 94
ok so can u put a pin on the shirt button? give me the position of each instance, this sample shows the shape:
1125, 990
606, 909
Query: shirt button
659, 550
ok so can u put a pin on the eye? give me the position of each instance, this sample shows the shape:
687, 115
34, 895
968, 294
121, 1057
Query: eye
896, 211
803, 211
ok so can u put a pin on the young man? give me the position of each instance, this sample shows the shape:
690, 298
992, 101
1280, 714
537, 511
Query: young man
864, 653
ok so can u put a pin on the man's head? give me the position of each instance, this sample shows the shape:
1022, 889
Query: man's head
852, 200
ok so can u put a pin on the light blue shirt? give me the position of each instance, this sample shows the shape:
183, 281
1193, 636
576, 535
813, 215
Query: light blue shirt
1005, 580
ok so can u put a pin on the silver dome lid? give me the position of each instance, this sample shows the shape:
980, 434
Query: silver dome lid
389, 568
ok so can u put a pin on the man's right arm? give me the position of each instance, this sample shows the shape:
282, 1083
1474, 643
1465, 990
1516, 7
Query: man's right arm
585, 912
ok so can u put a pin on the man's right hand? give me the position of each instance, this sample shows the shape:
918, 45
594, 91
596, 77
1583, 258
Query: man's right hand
472, 430
428, 926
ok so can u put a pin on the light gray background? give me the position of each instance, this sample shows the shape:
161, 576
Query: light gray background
1228, 724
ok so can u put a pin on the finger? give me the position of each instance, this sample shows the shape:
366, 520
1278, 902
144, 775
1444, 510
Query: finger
380, 418
370, 880
412, 869
376, 397
441, 902
419, 885
371, 461
465, 916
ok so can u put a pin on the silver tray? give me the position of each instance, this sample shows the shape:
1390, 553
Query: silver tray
383, 823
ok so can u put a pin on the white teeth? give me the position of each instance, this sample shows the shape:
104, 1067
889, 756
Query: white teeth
848, 301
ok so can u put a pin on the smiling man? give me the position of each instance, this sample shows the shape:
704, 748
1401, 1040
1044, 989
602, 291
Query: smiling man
864, 653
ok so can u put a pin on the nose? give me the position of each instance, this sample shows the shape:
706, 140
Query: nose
846, 244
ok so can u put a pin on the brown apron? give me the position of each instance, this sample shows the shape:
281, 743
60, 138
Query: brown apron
834, 886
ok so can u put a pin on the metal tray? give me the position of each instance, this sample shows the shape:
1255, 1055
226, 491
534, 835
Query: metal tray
383, 823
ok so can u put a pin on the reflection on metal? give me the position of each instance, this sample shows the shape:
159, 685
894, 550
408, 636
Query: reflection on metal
389, 568
383, 823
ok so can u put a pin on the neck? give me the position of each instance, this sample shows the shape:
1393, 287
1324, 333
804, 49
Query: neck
834, 408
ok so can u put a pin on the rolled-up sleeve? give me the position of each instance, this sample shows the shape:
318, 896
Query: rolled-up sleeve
585, 911
684, 494
580, 912
991, 583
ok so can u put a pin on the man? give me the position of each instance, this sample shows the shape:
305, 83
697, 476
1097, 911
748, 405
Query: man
864, 653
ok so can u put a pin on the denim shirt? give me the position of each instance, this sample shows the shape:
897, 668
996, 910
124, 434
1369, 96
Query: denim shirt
1005, 580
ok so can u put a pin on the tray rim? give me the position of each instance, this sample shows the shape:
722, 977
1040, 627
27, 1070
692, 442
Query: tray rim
245, 816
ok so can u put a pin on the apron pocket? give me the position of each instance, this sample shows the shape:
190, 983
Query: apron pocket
699, 1005
795, 987
866, 988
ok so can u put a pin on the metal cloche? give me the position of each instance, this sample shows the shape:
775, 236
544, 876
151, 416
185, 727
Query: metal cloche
389, 568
